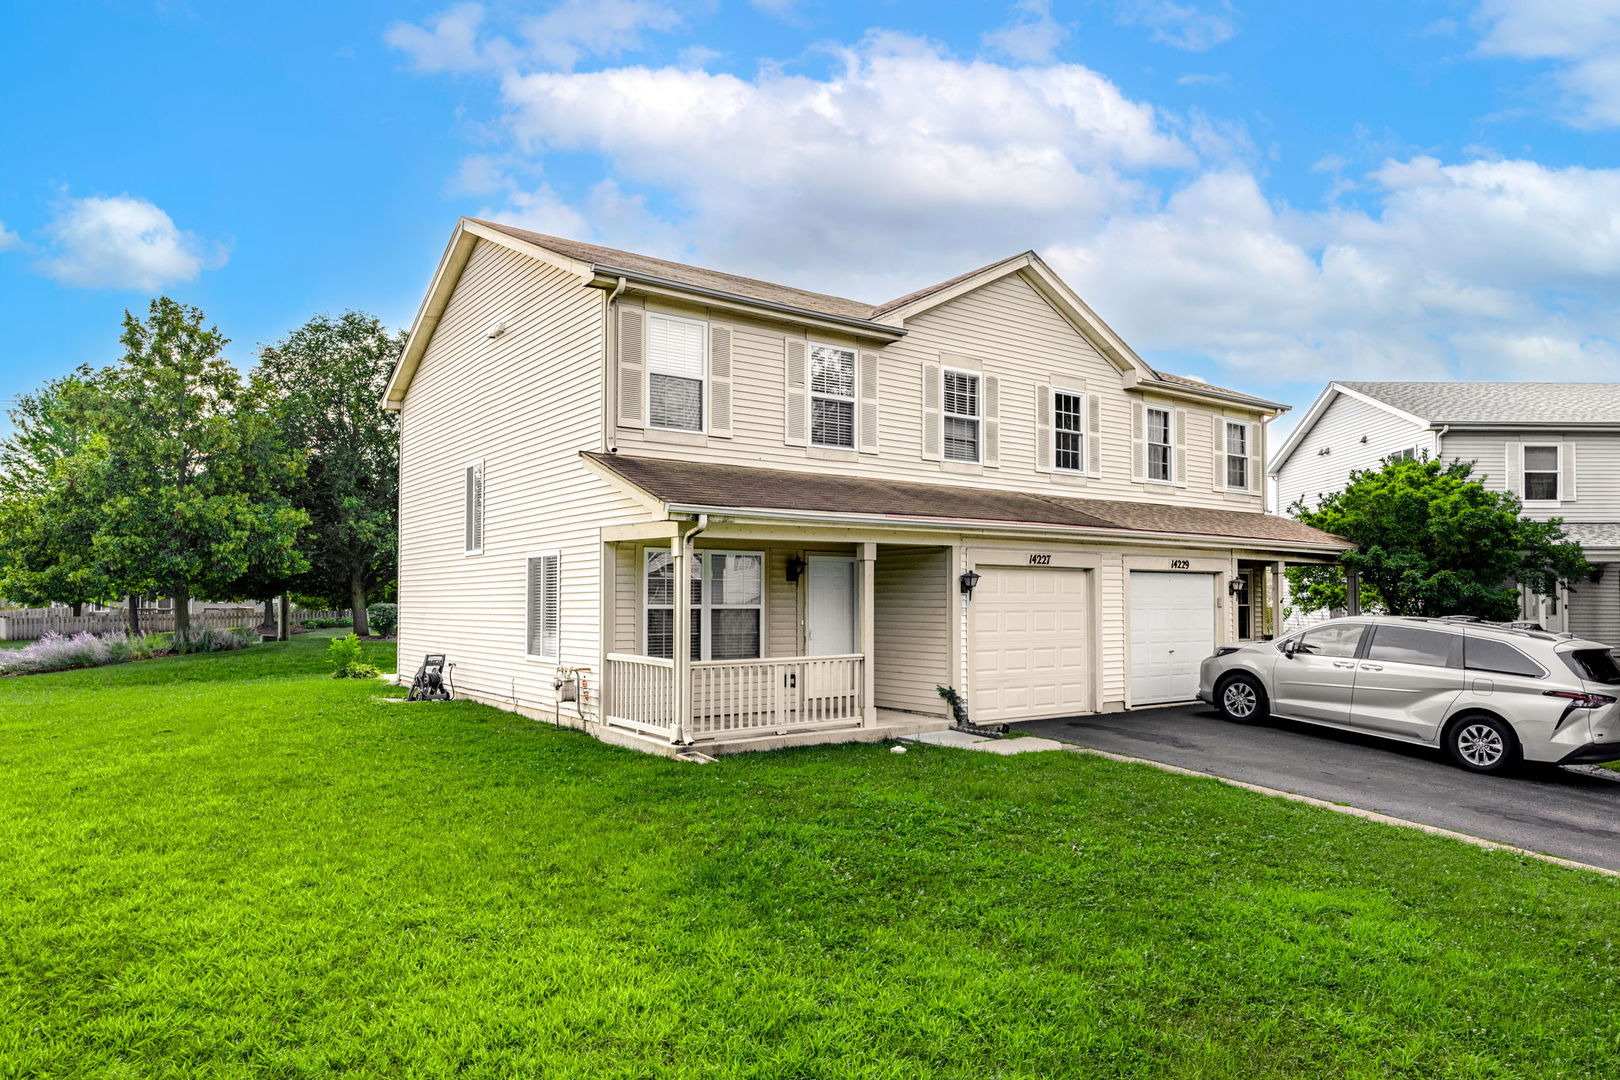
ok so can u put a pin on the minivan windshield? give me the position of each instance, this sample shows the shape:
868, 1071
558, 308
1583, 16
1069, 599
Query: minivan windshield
1594, 665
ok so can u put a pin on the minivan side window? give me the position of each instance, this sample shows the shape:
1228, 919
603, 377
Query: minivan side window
1330, 641
1410, 645
1484, 654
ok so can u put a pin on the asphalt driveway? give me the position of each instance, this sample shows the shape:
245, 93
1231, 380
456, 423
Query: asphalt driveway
1571, 812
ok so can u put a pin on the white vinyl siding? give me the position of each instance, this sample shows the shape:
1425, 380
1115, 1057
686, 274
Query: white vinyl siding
472, 501
545, 605
1068, 431
832, 396
677, 372
728, 604
1349, 434
960, 416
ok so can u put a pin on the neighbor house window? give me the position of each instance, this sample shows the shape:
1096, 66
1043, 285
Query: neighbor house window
1158, 445
1068, 431
545, 605
676, 366
1409, 454
1541, 474
728, 592
832, 396
961, 416
473, 507
1237, 456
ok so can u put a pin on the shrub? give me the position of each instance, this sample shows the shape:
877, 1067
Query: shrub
383, 618
223, 640
344, 654
59, 652
324, 624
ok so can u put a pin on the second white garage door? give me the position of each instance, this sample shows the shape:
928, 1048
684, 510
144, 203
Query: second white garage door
1031, 644
1172, 630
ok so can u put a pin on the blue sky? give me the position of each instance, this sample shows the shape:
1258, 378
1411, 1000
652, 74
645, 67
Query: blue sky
1267, 195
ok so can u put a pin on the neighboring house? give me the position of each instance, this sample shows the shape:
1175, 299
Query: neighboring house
977, 486
1555, 445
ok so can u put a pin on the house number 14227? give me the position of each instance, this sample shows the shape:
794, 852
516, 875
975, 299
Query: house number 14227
1040, 560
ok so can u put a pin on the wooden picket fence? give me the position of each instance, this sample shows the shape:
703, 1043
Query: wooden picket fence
31, 624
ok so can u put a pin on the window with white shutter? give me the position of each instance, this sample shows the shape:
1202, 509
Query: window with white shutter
677, 368
960, 415
832, 396
728, 598
1160, 448
473, 507
1237, 456
1068, 431
1541, 473
545, 605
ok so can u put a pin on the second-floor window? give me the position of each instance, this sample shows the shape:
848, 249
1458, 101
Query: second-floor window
1237, 456
1159, 452
676, 371
961, 416
1068, 431
832, 396
1541, 474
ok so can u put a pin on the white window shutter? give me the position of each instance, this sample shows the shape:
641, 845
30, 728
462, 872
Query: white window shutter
1566, 472
1093, 435
545, 606
796, 388
632, 368
1218, 437
1251, 443
1513, 453
931, 421
1043, 428
1179, 437
870, 407
990, 452
1138, 441
474, 506
720, 381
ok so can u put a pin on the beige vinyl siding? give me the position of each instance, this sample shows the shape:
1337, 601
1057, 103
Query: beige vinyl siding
1004, 329
525, 403
1594, 608
912, 655
1355, 435
1597, 468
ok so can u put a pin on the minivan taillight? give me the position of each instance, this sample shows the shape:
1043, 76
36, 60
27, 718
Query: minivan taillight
1583, 701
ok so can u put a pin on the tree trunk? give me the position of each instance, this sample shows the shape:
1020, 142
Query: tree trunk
182, 617
357, 600
283, 618
269, 614
132, 618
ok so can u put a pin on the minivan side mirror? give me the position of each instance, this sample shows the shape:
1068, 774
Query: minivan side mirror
1289, 648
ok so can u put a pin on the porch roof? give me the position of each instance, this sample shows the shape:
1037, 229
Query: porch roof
744, 487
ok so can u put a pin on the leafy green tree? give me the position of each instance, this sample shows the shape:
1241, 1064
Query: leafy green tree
1431, 540
328, 376
193, 479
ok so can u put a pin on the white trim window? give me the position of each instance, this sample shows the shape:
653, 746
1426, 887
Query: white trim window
960, 416
1541, 470
472, 509
1237, 455
728, 605
677, 372
1068, 431
1160, 449
545, 605
832, 396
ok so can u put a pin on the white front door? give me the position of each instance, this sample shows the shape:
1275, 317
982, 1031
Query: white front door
1172, 631
831, 607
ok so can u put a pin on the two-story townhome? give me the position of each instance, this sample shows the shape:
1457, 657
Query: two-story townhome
748, 515
1554, 445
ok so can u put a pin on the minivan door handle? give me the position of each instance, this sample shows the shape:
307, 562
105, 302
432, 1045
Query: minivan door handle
1343, 663
1372, 667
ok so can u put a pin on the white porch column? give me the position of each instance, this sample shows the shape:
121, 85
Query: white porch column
868, 615
1275, 595
681, 648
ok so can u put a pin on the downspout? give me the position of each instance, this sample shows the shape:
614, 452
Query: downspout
680, 647
611, 344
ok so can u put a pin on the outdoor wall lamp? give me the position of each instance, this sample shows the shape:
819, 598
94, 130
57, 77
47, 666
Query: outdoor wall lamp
795, 569
1238, 585
968, 581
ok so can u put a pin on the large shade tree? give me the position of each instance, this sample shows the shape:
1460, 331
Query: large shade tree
1432, 540
328, 377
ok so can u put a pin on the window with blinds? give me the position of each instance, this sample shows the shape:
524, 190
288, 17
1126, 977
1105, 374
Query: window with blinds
832, 396
676, 369
961, 415
545, 605
473, 507
728, 595
1068, 431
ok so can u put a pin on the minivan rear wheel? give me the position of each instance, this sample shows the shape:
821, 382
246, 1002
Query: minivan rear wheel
1242, 699
1482, 743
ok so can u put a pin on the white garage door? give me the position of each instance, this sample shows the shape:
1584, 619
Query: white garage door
1030, 644
1172, 630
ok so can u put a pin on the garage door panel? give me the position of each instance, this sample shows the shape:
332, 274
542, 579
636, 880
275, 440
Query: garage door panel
1030, 643
1172, 630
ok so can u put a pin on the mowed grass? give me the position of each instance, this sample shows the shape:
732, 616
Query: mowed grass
231, 866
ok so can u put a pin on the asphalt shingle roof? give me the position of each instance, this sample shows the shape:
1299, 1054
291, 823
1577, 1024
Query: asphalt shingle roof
1594, 534
1500, 402
692, 483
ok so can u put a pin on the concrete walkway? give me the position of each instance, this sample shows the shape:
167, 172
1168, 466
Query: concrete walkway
963, 740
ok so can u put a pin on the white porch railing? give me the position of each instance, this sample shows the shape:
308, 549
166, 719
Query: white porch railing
738, 697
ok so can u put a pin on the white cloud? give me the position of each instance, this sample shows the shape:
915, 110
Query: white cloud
449, 44
8, 239
459, 38
1033, 35
1581, 36
1191, 26
122, 242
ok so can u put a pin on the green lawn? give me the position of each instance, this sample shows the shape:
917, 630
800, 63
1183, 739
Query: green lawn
230, 866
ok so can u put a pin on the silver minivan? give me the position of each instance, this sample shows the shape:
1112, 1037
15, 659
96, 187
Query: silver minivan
1489, 694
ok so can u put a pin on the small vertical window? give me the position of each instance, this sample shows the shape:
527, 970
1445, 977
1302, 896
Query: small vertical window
832, 396
961, 416
1159, 455
1068, 431
676, 369
1541, 474
1237, 456
545, 605
473, 507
